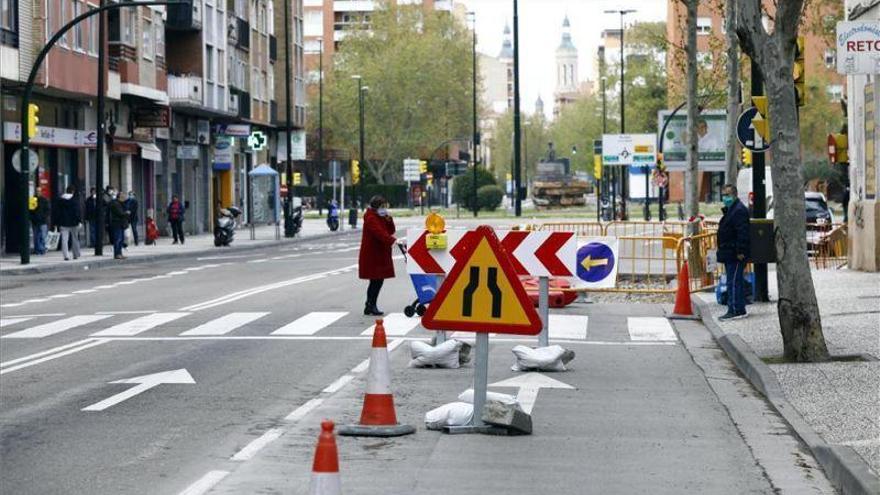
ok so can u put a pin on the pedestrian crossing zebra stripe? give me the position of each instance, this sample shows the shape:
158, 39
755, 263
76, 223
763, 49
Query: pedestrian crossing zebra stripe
310, 323
225, 324
54, 327
396, 324
8, 322
649, 328
138, 325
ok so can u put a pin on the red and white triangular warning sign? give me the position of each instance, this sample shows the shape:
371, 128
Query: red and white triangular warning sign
482, 293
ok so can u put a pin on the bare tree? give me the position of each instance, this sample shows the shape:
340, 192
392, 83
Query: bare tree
799, 321
732, 88
691, 201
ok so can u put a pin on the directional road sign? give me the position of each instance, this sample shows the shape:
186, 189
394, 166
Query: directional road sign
482, 292
422, 260
597, 263
746, 133
411, 170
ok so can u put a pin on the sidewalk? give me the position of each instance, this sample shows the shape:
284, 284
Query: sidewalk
195, 245
840, 399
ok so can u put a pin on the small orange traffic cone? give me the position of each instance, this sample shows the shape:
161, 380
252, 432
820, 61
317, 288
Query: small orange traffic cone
325, 469
683, 309
378, 418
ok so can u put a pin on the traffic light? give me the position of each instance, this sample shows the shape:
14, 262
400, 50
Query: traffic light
838, 146
761, 121
33, 119
799, 72
747, 157
597, 167
355, 172
423, 167
297, 178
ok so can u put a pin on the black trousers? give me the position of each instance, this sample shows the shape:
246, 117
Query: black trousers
373, 291
177, 230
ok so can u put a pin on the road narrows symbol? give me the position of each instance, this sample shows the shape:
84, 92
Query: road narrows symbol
496, 292
467, 303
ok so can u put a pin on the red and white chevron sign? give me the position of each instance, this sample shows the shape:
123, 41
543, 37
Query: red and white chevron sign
539, 254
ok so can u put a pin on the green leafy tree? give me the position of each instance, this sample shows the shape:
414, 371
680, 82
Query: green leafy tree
417, 65
578, 124
535, 136
489, 197
463, 187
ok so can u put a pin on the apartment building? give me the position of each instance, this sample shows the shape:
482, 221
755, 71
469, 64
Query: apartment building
297, 84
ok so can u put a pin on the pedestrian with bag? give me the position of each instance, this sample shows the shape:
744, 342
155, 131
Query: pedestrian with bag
734, 249
176, 211
39, 208
118, 224
374, 259
131, 205
69, 220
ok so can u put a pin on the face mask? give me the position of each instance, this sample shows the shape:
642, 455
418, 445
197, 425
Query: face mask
382, 212
727, 200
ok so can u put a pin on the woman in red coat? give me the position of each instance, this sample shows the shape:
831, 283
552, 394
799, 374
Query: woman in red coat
374, 261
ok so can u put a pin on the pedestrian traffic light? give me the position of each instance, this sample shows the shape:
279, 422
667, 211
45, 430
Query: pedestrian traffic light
33, 119
799, 72
747, 157
355, 172
423, 167
761, 121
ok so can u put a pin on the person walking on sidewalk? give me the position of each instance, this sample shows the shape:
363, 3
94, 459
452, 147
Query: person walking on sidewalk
118, 224
176, 211
39, 220
69, 220
92, 216
131, 204
734, 248
374, 258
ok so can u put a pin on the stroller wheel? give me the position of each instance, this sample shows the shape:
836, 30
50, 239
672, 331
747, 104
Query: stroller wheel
409, 311
420, 309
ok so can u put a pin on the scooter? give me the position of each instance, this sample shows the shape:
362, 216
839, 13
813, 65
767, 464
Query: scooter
333, 218
296, 215
224, 227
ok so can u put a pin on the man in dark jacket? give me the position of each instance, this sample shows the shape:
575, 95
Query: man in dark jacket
39, 222
131, 204
92, 216
118, 224
734, 247
69, 220
176, 211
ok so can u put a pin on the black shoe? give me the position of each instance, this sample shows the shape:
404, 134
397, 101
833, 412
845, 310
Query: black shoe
377, 311
739, 316
727, 316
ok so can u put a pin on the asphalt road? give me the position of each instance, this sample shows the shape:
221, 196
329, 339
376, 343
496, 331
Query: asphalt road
264, 344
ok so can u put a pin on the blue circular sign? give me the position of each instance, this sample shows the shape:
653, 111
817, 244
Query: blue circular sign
745, 133
595, 261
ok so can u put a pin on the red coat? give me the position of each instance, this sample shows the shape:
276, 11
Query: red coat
377, 240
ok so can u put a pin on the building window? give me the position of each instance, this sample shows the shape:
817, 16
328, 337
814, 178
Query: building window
129, 25
221, 28
78, 28
149, 47
704, 26
209, 64
63, 18
209, 24
830, 58
8, 10
159, 34
93, 33
835, 92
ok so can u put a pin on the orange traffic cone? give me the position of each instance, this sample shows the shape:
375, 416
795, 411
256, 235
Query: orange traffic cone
325, 469
683, 309
378, 418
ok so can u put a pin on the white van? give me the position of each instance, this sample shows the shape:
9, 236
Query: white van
744, 187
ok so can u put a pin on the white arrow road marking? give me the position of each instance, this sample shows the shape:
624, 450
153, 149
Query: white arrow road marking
529, 384
144, 383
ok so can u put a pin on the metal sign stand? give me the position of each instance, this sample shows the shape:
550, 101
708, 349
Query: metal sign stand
544, 310
481, 384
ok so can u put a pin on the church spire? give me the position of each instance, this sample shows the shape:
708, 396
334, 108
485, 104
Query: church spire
506, 45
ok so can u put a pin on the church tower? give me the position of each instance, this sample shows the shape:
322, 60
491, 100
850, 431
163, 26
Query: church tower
566, 70
539, 107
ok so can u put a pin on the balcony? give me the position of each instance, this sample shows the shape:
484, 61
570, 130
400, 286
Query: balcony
185, 16
185, 90
273, 48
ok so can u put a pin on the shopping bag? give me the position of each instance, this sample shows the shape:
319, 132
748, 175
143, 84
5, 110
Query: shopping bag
52, 240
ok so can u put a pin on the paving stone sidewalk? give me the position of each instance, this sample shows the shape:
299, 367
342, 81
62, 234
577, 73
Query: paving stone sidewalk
839, 399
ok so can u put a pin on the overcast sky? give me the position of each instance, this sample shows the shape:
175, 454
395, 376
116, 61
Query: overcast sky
540, 25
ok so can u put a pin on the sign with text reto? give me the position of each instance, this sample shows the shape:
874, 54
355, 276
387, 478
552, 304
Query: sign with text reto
858, 47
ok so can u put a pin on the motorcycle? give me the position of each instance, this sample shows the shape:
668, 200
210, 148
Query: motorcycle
296, 215
333, 217
224, 227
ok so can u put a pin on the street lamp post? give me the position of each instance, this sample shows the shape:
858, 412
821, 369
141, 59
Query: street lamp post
288, 201
625, 174
517, 152
99, 146
320, 121
605, 131
476, 139
361, 88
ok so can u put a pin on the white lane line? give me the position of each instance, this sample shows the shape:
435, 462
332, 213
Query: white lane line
626, 343
568, 326
105, 286
6, 322
138, 325
12, 305
178, 272
304, 409
642, 328
53, 350
92, 343
143, 312
310, 324
338, 384
127, 282
467, 335
263, 260
37, 300
228, 257
60, 296
251, 449
396, 324
254, 290
84, 291
54, 327
205, 483
867, 442
225, 324
37, 315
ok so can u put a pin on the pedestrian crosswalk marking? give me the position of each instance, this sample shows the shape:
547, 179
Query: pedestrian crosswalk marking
225, 324
54, 327
138, 325
396, 324
649, 328
568, 327
6, 322
310, 323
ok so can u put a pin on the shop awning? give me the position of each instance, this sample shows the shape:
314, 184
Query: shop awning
150, 151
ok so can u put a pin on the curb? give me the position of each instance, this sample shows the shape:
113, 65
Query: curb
103, 262
846, 470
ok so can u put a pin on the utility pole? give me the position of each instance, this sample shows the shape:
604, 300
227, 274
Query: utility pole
517, 152
624, 174
102, 136
321, 121
476, 140
288, 203
759, 209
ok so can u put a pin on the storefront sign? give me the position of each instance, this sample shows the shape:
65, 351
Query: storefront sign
151, 116
188, 152
298, 148
858, 47
223, 153
124, 146
52, 136
237, 130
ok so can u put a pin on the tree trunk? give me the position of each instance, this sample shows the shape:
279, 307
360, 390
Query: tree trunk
732, 90
691, 201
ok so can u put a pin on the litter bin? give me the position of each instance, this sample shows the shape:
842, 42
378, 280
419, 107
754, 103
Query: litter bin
763, 240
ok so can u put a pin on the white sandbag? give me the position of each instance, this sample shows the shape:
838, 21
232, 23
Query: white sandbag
445, 355
452, 414
548, 358
468, 396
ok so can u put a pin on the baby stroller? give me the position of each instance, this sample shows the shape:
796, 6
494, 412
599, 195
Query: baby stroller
425, 287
